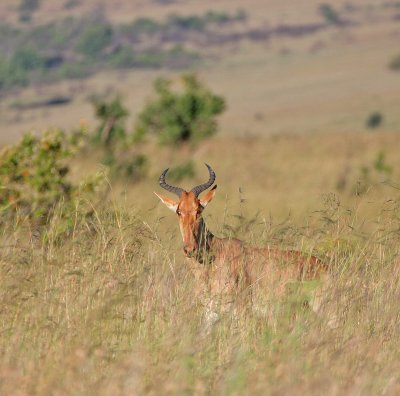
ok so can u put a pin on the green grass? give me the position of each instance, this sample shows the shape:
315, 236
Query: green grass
109, 309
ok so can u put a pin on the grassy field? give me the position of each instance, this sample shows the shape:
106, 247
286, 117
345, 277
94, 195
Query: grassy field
108, 308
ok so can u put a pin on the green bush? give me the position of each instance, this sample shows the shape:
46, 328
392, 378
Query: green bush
394, 64
330, 14
190, 22
140, 26
111, 115
177, 117
95, 39
381, 166
18, 69
10, 76
33, 174
374, 120
26, 59
119, 154
122, 58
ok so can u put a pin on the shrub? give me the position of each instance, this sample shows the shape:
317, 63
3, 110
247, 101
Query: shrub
140, 26
33, 174
394, 64
191, 22
182, 116
111, 135
381, 166
111, 115
95, 39
10, 76
123, 58
17, 70
330, 14
374, 120
26, 59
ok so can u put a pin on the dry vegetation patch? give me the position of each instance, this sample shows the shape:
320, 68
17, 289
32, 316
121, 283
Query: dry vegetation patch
111, 309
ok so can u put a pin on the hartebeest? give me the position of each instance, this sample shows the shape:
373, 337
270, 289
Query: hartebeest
226, 268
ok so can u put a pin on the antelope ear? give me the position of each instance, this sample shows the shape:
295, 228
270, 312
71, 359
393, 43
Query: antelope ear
208, 197
169, 203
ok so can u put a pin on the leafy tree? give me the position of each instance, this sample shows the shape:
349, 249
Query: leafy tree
177, 117
112, 116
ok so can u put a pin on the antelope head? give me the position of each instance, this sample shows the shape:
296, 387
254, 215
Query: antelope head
189, 208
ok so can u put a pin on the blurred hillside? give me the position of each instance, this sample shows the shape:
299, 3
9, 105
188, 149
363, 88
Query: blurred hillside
314, 67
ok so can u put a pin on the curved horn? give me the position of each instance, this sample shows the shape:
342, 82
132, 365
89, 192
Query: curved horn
176, 190
200, 188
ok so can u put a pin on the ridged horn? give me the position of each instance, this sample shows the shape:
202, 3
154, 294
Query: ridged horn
200, 188
176, 190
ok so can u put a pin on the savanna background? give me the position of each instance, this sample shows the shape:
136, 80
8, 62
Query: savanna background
295, 105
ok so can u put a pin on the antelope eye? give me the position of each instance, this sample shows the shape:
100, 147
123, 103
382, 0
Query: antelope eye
178, 212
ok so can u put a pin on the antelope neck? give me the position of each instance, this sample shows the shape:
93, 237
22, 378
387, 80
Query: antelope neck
204, 243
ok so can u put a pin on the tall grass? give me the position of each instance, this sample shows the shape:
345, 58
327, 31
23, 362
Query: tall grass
109, 310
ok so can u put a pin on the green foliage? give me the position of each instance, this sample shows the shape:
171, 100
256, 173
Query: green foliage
75, 70
77, 47
394, 64
180, 172
123, 58
16, 71
10, 76
111, 115
33, 174
374, 120
95, 39
201, 22
381, 166
26, 59
111, 135
177, 117
378, 172
190, 22
126, 164
140, 26
330, 14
